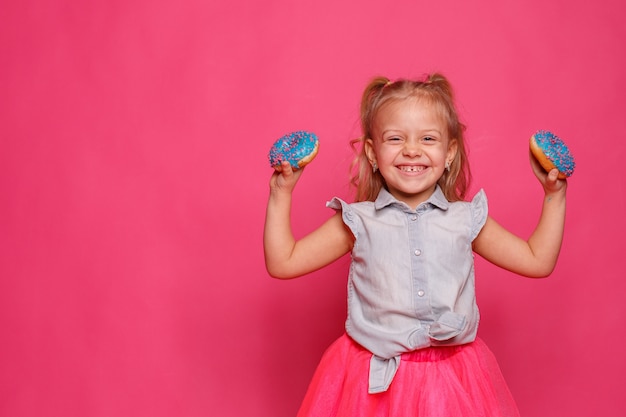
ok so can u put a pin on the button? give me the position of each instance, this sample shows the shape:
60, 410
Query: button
417, 252
421, 293
414, 217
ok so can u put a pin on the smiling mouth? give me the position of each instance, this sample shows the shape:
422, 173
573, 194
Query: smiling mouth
412, 168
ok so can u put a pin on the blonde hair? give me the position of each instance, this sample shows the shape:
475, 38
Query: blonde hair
437, 90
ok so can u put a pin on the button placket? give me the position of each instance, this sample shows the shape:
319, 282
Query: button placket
418, 273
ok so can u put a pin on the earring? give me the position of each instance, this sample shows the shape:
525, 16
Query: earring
374, 167
448, 166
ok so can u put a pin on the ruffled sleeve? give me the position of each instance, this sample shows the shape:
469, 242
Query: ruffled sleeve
347, 214
479, 210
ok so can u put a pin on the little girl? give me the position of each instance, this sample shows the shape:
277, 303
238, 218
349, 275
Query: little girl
410, 347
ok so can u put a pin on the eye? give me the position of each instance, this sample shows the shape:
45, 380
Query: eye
393, 139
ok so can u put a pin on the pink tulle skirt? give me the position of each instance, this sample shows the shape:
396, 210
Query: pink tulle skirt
459, 381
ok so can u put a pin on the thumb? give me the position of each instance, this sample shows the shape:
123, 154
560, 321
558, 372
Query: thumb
286, 169
553, 175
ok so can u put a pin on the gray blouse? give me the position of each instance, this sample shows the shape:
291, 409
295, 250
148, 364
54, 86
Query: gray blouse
411, 281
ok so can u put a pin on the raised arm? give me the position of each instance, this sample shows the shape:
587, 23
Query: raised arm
286, 257
537, 256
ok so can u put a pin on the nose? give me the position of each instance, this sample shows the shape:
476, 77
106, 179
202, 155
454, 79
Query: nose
412, 148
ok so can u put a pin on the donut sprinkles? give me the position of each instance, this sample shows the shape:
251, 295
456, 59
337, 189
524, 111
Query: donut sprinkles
297, 148
556, 151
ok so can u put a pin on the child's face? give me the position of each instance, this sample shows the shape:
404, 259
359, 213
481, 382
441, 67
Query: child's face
410, 147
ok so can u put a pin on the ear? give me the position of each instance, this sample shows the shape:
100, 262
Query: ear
453, 147
368, 146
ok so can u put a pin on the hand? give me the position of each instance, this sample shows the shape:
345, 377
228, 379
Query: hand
284, 178
549, 180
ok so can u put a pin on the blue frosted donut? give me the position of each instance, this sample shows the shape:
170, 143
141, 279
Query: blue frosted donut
298, 148
552, 153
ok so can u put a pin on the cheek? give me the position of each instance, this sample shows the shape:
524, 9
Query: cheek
385, 154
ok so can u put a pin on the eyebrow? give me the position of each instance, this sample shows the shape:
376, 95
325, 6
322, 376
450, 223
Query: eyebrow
424, 131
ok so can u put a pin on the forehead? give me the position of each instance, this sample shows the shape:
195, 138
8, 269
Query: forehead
413, 108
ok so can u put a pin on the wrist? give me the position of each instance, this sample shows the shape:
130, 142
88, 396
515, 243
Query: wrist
280, 194
555, 196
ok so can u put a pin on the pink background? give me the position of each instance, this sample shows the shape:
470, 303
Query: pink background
134, 178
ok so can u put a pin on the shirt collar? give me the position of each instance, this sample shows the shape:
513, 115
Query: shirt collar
437, 199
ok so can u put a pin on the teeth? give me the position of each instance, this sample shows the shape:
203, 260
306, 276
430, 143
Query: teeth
412, 168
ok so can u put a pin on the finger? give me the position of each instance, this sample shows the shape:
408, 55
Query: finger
553, 175
286, 168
